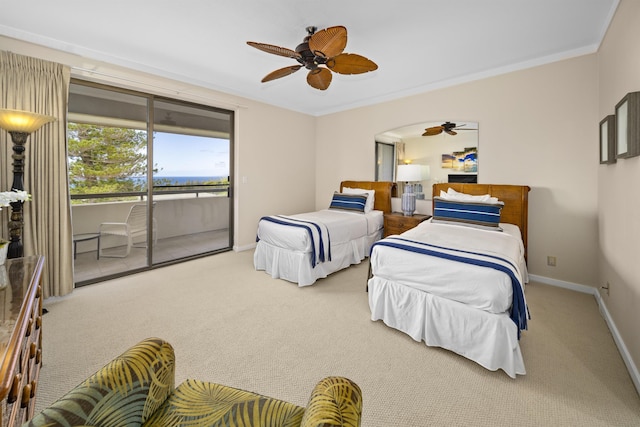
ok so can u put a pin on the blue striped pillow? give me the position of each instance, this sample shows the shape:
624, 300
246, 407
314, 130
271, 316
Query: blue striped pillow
349, 202
473, 214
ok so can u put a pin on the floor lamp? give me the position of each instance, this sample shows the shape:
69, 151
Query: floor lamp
19, 124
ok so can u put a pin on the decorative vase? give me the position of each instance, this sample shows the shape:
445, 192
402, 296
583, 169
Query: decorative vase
3, 252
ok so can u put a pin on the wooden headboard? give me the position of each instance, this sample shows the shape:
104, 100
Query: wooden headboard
384, 191
515, 198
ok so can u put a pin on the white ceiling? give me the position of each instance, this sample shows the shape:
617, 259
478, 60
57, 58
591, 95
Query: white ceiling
418, 45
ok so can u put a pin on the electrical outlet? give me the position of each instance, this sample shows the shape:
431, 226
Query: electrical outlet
551, 261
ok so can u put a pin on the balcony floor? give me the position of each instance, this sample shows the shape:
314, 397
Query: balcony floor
88, 268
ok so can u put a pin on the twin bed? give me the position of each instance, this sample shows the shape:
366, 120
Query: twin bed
455, 281
306, 247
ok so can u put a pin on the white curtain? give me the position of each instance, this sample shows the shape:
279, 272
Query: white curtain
42, 87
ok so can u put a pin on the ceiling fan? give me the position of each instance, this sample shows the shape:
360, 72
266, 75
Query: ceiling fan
321, 53
447, 127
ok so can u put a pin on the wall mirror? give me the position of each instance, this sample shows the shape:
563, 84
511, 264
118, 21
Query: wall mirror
447, 151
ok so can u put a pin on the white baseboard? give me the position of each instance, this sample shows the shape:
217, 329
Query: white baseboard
244, 247
562, 284
622, 348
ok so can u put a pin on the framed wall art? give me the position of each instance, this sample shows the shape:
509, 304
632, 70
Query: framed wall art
608, 140
627, 133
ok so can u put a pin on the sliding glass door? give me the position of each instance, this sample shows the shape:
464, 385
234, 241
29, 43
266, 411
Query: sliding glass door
192, 161
149, 179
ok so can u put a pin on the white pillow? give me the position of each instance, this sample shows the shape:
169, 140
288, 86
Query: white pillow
371, 194
452, 194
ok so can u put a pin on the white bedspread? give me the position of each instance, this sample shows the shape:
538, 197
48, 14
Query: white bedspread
342, 225
480, 287
285, 252
461, 307
489, 339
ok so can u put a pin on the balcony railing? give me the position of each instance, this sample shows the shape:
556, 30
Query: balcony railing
178, 212
218, 190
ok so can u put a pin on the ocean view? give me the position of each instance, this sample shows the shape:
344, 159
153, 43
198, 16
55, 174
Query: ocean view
179, 180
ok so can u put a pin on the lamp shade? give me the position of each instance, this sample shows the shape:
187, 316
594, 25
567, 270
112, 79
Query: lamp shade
409, 173
22, 121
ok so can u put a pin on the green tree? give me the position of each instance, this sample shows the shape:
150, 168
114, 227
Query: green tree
102, 158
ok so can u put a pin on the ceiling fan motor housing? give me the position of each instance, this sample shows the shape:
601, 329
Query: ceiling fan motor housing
308, 58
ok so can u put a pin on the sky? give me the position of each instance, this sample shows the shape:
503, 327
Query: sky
186, 155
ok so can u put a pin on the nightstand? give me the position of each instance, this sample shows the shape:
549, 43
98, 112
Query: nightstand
397, 223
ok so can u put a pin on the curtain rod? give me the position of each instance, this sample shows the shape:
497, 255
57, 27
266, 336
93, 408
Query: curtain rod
138, 82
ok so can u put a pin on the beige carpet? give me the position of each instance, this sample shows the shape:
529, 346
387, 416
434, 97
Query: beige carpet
233, 325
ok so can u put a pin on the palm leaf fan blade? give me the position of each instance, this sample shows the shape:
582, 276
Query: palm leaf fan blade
320, 78
433, 131
329, 42
351, 63
281, 73
276, 50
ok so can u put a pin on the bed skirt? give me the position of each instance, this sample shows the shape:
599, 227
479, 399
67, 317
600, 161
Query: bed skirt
488, 339
295, 266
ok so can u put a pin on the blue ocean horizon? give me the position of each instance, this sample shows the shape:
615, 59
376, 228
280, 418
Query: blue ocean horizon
189, 179
180, 180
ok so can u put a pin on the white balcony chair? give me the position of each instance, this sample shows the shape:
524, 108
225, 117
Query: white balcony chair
134, 228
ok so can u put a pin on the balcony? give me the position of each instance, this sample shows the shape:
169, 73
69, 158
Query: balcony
189, 223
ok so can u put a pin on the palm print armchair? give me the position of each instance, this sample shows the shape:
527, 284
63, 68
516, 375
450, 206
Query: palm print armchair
137, 389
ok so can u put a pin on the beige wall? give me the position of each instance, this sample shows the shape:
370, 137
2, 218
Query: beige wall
538, 127
275, 153
619, 183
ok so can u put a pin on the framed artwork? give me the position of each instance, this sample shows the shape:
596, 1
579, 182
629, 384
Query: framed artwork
464, 161
608, 140
627, 133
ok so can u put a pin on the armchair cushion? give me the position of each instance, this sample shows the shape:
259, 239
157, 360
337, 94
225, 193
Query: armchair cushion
335, 401
198, 403
137, 389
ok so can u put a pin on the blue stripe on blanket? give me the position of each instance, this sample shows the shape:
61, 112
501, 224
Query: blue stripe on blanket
519, 311
279, 219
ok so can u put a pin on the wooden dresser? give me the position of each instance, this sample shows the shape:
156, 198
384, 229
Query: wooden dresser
397, 223
20, 337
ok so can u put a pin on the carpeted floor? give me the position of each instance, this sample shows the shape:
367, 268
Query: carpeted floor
233, 325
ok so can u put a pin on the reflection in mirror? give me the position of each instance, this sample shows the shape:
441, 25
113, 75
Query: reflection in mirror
385, 161
446, 151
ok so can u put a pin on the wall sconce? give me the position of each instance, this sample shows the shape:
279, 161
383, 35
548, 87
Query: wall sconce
19, 124
409, 173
